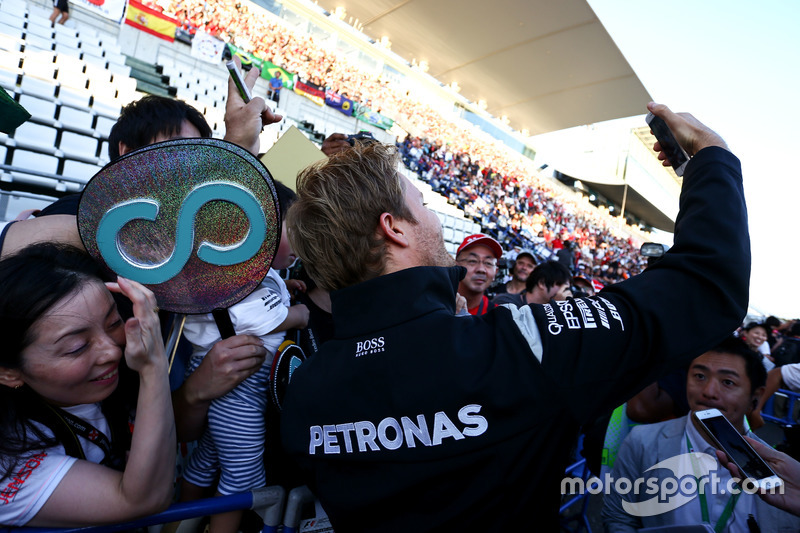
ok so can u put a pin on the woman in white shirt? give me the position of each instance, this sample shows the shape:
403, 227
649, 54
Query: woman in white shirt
68, 390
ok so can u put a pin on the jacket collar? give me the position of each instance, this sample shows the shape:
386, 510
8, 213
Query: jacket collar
394, 298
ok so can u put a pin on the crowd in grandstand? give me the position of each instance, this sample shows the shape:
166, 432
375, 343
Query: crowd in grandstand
524, 213
476, 172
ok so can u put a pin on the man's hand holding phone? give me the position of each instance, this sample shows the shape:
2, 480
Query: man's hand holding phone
690, 133
784, 466
245, 120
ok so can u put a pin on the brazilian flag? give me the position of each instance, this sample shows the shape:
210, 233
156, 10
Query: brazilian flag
269, 69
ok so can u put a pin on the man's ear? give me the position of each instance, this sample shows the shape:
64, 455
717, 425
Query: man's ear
392, 230
10, 377
756, 395
122, 148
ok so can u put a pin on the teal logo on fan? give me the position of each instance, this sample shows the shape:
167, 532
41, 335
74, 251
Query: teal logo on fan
147, 209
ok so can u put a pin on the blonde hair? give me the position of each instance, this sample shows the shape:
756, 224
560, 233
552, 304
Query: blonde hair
333, 224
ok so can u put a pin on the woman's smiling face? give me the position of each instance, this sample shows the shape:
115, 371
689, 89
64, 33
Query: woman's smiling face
76, 348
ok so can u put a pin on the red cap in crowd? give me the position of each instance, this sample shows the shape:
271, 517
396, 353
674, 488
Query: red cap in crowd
485, 240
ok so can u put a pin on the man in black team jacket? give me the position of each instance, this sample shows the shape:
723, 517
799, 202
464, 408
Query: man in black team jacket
412, 418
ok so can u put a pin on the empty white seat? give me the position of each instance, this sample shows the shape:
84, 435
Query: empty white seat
103, 126
104, 152
10, 37
17, 202
111, 45
73, 62
39, 12
74, 97
37, 42
102, 90
88, 33
124, 83
107, 106
97, 75
94, 60
77, 146
13, 13
80, 171
36, 136
67, 50
119, 69
37, 17
37, 29
39, 66
70, 77
90, 47
38, 87
63, 30
8, 79
33, 161
9, 70
116, 58
67, 39
76, 119
41, 110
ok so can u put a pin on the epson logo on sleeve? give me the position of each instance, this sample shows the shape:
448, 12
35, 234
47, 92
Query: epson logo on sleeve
370, 346
566, 309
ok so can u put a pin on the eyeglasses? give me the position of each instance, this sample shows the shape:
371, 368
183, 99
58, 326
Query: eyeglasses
472, 263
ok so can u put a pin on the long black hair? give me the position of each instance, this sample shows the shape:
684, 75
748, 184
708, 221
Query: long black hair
31, 282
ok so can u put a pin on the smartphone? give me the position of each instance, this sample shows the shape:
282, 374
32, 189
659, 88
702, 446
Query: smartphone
677, 156
750, 464
238, 80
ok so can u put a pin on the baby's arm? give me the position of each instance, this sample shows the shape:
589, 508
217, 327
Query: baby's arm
297, 317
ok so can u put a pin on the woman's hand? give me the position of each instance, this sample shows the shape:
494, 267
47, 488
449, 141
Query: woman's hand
143, 343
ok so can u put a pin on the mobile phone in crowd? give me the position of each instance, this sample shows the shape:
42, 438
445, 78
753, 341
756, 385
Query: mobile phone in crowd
238, 80
727, 439
676, 155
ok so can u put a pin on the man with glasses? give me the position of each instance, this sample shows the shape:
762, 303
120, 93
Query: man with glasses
478, 254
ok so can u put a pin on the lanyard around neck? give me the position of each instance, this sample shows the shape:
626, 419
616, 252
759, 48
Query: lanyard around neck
84, 429
726, 512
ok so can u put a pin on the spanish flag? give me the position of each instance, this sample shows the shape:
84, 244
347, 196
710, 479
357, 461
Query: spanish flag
151, 21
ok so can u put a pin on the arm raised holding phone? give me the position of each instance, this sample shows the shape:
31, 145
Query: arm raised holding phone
244, 120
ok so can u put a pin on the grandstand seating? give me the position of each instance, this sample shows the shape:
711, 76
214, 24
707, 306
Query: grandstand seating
74, 83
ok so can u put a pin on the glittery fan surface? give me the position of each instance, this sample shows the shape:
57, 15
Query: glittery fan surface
161, 176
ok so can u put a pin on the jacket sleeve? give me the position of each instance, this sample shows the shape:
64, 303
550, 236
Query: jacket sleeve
602, 350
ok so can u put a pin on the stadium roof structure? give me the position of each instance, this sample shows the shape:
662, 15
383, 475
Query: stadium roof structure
545, 65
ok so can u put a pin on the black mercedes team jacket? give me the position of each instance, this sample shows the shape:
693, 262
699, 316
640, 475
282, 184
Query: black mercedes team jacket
413, 419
